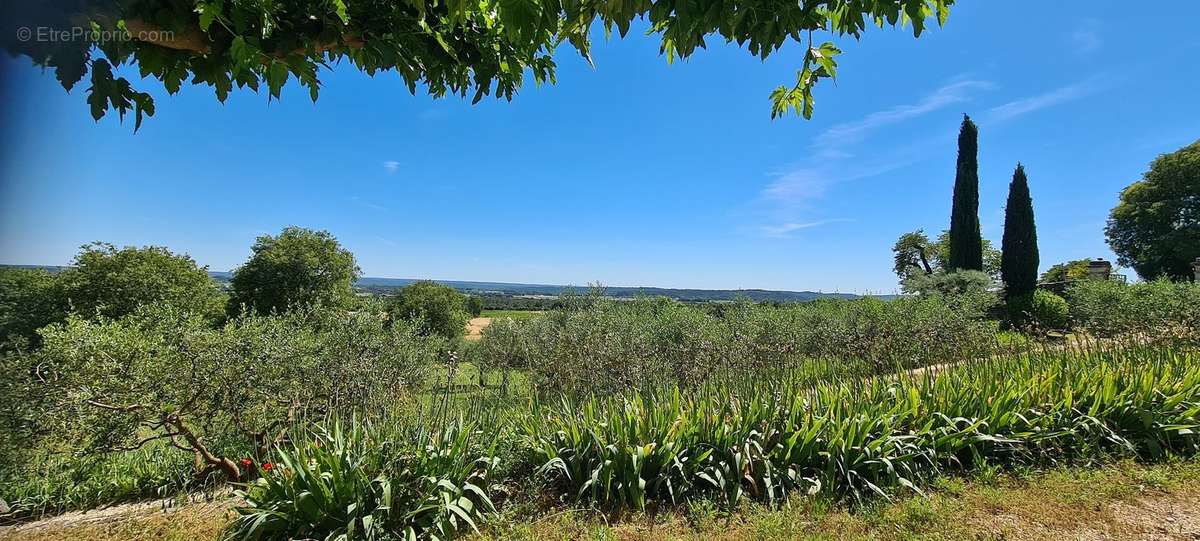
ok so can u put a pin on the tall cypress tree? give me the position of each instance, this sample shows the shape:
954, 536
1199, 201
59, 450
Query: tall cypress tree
1019, 256
966, 241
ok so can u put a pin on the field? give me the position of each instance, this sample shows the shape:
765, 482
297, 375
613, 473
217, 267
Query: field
654, 419
476, 325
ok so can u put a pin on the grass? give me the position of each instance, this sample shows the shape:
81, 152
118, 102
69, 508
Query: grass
514, 314
1119, 501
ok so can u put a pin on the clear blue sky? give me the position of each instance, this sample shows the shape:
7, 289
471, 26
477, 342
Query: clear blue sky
635, 172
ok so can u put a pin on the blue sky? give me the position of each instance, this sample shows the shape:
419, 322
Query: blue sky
636, 172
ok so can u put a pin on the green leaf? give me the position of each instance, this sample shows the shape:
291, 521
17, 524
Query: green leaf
276, 76
240, 51
209, 12
339, 7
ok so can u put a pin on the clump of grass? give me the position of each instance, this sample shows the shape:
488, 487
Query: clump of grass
62, 482
371, 482
858, 438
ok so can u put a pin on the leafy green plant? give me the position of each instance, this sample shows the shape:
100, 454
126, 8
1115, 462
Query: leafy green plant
371, 482
768, 437
1039, 309
436, 308
1149, 309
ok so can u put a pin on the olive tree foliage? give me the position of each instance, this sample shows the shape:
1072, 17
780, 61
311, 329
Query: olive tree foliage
298, 267
959, 282
165, 374
436, 309
1155, 228
444, 47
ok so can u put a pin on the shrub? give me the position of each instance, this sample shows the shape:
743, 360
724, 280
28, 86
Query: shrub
961, 282
368, 483
474, 305
1039, 309
436, 309
767, 437
29, 300
1153, 309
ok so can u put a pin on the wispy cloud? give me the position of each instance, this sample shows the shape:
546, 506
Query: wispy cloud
847, 133
782, 230
367, 204
1086, 39
391, 166
1024, 106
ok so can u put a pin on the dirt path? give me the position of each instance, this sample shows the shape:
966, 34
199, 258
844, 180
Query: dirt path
202, 517
476, 326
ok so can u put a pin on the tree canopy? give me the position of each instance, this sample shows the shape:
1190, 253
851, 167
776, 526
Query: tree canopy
915, 253
435, 308
1071, 270
298, 267
29, 300
445, 47
1155, 228
110, 281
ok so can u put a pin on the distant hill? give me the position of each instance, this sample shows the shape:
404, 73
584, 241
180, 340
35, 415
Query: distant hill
387, 285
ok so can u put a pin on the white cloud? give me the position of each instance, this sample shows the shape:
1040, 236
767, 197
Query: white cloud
782, 230
391, 166
1086, 37
852, 132
1024, 106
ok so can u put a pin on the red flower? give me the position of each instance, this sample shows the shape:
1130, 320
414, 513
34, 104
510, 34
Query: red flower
267, 466
247, 462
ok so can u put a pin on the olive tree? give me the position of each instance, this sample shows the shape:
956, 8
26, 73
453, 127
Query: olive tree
164, 374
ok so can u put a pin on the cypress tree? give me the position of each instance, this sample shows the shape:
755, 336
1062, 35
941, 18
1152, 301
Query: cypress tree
966, 240
1019, 256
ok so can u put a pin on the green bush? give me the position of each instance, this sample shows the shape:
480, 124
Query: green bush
435, 308
766, 437
1041, 310
961, 282
370, 483
1150, 309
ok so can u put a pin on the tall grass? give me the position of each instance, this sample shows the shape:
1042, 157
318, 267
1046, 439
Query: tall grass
371, 481
860, 437
61, 482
